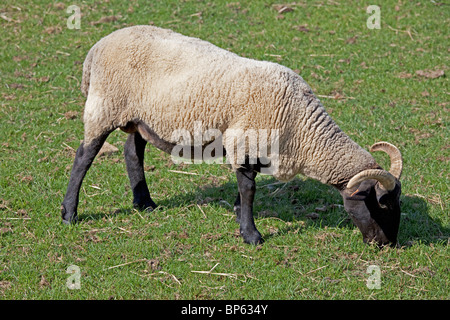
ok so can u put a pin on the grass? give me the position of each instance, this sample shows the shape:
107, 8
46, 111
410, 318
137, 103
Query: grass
367, 80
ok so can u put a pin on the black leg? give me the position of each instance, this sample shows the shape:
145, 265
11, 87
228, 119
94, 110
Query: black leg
247, 187
237, 207
134, 158
83, 160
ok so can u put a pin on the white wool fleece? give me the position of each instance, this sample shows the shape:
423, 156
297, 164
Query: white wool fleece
169, 81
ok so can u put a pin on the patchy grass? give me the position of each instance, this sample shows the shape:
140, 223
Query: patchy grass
388, 84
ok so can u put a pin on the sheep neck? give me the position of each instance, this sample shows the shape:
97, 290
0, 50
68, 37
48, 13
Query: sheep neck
324, 151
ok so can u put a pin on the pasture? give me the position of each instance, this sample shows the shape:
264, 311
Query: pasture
386, 84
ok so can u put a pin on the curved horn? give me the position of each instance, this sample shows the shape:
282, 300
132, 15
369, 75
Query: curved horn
394, 155
386, 179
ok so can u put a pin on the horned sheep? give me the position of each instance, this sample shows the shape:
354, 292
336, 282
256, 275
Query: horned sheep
150, 82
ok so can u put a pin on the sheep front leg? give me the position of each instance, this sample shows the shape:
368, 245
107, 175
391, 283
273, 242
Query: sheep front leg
247, 187
83, 159
134, 158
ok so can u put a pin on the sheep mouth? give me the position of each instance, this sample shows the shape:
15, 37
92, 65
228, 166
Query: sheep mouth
378, 238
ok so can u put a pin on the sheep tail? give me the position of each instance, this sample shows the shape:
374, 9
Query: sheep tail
87, 73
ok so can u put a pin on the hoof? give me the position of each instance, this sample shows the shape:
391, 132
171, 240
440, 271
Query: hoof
254, 238
68, 218
72, 221
145, 207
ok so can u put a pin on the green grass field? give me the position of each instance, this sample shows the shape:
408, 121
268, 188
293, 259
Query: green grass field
386, 84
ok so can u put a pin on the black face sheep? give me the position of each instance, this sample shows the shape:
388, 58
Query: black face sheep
151, 82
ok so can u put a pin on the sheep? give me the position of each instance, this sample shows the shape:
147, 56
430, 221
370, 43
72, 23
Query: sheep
150, 82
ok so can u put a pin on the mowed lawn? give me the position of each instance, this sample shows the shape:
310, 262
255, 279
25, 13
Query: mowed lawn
386, 84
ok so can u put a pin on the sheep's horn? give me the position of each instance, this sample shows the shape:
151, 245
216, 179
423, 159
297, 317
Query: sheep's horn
394, 155
386, 179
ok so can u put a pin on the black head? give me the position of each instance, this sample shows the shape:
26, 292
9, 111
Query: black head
375, 211
372, 198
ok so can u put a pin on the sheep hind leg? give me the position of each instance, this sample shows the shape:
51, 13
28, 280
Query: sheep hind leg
134, 158
247, 187
83, 159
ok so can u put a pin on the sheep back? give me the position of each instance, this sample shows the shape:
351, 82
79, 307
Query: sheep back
169, 81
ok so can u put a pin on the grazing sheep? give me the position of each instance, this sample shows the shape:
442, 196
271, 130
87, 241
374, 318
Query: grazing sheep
151, 82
